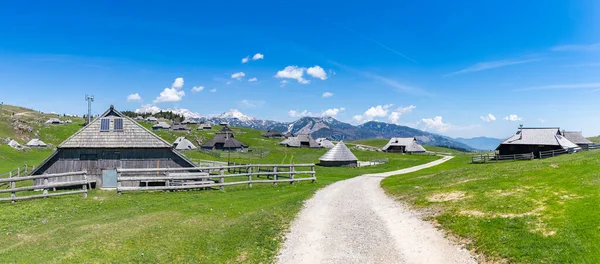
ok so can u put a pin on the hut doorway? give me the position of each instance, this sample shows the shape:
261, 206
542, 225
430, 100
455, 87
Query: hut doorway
109, 179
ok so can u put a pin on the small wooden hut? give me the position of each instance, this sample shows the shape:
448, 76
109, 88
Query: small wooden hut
339, 156
577, 138
224, 140
403, 145
273, 134
300, 141
535, 139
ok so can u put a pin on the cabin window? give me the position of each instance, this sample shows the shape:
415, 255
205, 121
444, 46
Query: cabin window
118, 124
88, 157
104, 125
111, 155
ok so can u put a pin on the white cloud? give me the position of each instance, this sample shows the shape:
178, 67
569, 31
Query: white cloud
585, 47
155, 109
283, 83
488, 118
374, 112
563, 86
327, 94
246, 59
317, 72
238, 75
258, 56
253, 79
513, 117
436, 123
293, 72
542, 120
295, 113
213, 90
196, 89
134, 97
178, 83
173, 94
228, 83
251, 103
394, 116
333, 112
481, 66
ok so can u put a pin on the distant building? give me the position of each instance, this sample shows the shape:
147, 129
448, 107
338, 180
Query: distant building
324, 143
179, 127
224, 140
14, 144
534, 140
204, 126
109, 142
152, 119
182, 144
223, 124
577, 138
300, 141
53, 121
189, 122
273, 134
161, 126
338, 156
139, 118
403, 145
36, 143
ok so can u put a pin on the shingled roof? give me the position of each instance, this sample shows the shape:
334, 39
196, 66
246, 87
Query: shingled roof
549, 136
182, 143
410, 144
227, 139
576, 137
133, 135
339, 153
301, 140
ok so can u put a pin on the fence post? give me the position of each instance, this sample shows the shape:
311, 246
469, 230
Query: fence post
222, 180
313, 173
85, 185
45, 182
118, 182
553, 153
540, 154
251, 171
19, 172
514, 156
26, 167
13, 194
292, 170
275, 175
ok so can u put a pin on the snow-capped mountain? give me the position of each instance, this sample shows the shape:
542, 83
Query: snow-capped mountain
329, 127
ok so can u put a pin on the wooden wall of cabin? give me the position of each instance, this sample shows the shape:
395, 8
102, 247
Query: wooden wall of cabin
96, 160
508, 149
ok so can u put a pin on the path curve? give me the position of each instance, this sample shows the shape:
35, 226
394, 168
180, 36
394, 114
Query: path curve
354, 221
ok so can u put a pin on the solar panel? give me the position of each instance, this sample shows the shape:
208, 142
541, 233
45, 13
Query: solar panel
104, 124
118, 124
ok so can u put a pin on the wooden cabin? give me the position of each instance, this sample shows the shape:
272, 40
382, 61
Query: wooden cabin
535, 139
403, 145
273, 134
111, 141
224, 140
339, 156
300, 141
577, 138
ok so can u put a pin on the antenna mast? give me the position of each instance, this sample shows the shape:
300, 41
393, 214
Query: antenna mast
89, 99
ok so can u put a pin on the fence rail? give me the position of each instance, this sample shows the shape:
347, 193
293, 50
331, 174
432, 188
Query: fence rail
554, 153
494, 157
22, 170
46, 186
212, 177
251, 153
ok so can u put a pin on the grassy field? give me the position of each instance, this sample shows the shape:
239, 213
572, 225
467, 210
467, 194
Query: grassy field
238, 225
540, 211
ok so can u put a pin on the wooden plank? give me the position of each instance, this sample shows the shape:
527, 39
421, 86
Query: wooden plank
38, 187
26, 178
41, 196
207, 168
163, 188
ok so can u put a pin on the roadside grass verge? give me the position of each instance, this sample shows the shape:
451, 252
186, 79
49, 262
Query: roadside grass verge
540, 211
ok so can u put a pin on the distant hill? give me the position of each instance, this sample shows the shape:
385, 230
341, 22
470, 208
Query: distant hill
329, 127
481, 143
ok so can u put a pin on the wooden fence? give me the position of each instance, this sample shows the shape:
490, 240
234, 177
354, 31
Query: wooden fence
554, 153
251, 153
212, 177
46, 186
18, 172
494, 157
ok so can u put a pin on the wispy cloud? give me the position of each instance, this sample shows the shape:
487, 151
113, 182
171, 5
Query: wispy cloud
563, 86
327, 94
593, 64
251, 103
513, 117
488, 118
482, 66
384, 46
577, 47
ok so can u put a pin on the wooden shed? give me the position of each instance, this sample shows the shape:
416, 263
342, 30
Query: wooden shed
111, 141
273, 134
339, 156
535, 139
577, 138
403, 145
224, 140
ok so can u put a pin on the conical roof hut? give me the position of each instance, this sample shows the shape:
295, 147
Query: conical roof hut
338, 156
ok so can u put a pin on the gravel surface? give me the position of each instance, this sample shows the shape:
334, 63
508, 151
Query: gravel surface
354, 221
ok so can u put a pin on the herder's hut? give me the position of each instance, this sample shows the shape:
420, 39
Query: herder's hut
204, 126
300, 141
14, 144
533, 140
36, 143
182, 144
577, 138
338, 156
139, 118
273, 134
403, 145
161, 125
111, 141
324, 143
179, 127
224, 140
53, 121
189, 122
152, 119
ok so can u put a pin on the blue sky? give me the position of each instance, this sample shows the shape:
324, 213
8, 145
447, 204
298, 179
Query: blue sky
458, 69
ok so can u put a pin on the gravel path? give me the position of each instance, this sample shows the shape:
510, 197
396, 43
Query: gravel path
354, 221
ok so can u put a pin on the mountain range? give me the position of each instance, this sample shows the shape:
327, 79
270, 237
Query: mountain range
329, 127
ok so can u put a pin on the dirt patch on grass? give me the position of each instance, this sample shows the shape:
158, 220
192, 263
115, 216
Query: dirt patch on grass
447, 197
463, 181
472, 213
